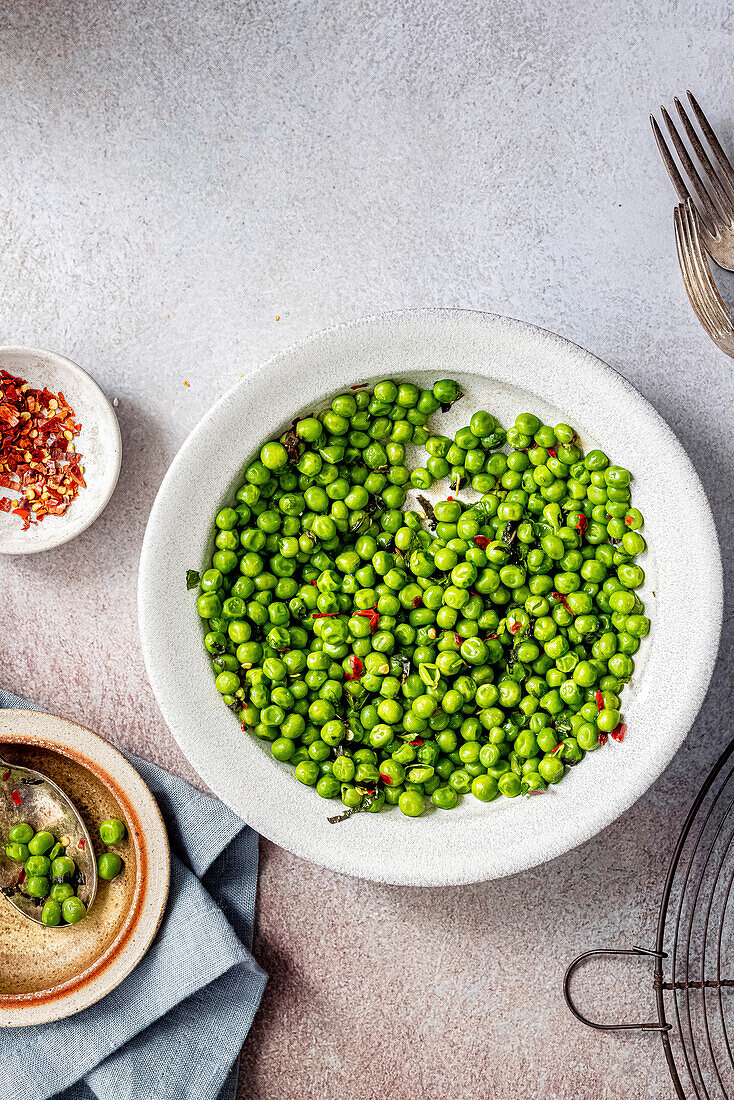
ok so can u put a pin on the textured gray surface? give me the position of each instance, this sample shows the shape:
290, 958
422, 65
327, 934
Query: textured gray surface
178, 176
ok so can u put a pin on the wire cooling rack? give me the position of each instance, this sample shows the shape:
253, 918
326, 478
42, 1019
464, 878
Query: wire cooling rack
693, 957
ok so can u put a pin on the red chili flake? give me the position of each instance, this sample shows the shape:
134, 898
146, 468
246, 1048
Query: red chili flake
628, 520
558, 747
458, 639
357, 667
15, 797
6, 775
599, 697
37, 457
603, 738
418, 601
482, 541
417, 741
82, 843
491, 636
314, 584
372, 616
449, 498
619, 732
386, 779
513, 627
552, 451
582, 523
324, 614
359, 386
561, 599
21, 877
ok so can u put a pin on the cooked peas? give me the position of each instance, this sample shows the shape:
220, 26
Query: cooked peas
73, 910
19, 853
39, 844
109, 865
21, 834
50, 875
392, 660
51, 913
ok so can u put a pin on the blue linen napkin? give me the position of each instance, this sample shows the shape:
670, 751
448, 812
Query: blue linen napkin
174, 1028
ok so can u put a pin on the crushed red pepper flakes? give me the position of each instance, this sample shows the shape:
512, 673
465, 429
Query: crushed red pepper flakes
82, 843
372, 615
562, 599
513, 627
582, 523
357, 668
37, 456
628, 520
482, 541
324, 614
417, 741
603, 738
15, 797
418, 601
552, 452
618, 733
599, 697
6, 775
386, 779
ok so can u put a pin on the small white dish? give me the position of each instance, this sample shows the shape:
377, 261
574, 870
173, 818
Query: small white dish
99, 441
505, 366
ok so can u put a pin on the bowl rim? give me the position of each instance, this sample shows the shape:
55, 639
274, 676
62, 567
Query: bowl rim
108, 420
281, 828
123, 953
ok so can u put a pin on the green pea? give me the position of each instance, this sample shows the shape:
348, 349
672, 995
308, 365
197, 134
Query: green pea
411, 803
62, 867
41, 842
37, 886
112, 831
484, 787
509, 784
51, 913
60, 891
445, 798
109, 866
73, 910
37, 866
21, 833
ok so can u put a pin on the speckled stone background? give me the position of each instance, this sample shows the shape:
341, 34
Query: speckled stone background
188, 187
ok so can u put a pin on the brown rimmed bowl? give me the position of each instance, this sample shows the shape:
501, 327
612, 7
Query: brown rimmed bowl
49, 973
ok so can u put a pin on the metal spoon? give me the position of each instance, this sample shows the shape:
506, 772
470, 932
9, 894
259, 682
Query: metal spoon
28, 795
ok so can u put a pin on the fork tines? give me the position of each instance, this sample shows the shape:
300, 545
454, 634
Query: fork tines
715, 188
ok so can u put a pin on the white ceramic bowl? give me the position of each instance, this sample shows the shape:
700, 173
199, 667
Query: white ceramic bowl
98, 440
505, 366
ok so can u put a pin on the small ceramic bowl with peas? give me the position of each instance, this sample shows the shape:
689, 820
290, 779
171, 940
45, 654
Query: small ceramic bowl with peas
72, 893
410, 597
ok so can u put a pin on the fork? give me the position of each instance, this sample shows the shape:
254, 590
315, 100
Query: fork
715, 190
700, 286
